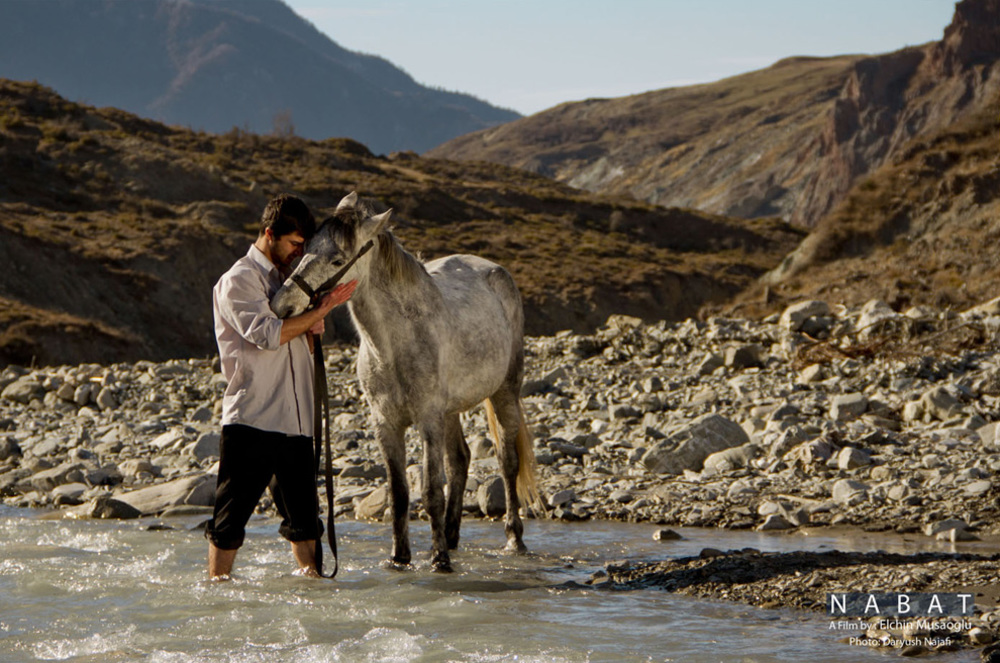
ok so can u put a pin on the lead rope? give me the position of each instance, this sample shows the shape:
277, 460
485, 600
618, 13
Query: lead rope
321, 416
321, 402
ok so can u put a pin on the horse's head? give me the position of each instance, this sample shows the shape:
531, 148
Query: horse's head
335, 248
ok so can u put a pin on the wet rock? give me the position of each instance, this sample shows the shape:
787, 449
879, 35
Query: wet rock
775, 521
666, 535
105, 507
492, 498
197, 490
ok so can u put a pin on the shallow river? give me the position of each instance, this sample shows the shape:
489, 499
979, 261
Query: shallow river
119, 591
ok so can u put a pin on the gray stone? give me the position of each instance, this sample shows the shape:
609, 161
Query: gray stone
711, 363
23, 390
977, 488
877, 317
46, 480
106, 399
745, 356
136, 466
106, 507
374, 506
731, 459
933, 529
206, 446
492, 498
795, 315
168, 440
562, 498
197, 490
940, 404
9, 448
688, 448
849, 493
775, 521
71, 491
201, 415
666, 535
851, 458
847, 407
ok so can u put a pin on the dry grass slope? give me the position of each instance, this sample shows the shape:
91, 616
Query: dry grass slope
114, 229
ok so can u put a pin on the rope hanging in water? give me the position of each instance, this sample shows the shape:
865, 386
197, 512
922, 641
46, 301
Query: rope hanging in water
321, 416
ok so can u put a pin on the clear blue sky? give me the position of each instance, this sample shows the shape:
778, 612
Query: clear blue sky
530, 55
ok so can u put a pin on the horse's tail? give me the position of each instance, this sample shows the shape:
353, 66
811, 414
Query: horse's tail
527, 466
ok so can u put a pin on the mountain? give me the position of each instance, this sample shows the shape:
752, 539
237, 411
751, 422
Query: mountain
789, 140
917, 231
217, 64
113, 229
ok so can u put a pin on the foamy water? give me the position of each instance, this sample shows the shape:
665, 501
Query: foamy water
117, 591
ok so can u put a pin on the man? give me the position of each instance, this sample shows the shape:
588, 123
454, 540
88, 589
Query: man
267, 410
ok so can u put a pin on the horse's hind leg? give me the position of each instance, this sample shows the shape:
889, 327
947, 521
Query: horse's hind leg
456, 454
390, 440
507, 409
433, 433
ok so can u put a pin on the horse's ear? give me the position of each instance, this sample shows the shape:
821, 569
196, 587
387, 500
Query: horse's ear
375, 224
348, 202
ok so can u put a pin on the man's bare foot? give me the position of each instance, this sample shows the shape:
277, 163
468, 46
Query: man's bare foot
307, 572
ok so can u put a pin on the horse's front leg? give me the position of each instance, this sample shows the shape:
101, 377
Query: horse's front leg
433, 432
390, 441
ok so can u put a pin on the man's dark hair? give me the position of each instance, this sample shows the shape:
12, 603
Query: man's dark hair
285, 214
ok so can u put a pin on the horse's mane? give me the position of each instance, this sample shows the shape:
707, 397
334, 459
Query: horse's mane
395, 262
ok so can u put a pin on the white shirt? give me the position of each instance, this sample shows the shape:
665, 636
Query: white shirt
270, 385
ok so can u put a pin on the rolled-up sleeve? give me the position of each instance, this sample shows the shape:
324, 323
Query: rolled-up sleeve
245, 307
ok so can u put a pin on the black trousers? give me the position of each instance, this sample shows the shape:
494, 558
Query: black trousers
251, 460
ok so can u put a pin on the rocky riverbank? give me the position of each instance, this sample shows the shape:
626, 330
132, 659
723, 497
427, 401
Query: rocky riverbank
818, 417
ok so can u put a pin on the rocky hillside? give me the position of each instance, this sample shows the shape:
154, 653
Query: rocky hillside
790, 140
114, 228
918, 231
219, 64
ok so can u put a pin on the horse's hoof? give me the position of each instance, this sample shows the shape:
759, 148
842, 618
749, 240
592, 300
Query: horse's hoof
395, 565
441, 567
516, 548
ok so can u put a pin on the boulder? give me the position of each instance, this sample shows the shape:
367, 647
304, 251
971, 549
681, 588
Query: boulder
374, 506
492, 497
23, 390
197, 490
847, 492
688, 448
105, 507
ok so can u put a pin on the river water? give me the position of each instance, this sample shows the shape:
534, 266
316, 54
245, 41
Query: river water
103, 591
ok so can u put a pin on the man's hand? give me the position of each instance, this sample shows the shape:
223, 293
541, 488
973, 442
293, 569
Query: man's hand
312, 320
337, 296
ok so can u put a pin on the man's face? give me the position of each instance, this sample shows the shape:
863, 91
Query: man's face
286, 249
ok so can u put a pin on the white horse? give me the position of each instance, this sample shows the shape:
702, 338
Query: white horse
436, 340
